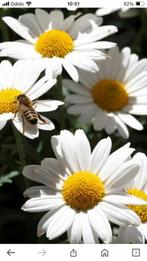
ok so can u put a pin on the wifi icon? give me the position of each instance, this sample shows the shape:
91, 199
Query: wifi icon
28, 3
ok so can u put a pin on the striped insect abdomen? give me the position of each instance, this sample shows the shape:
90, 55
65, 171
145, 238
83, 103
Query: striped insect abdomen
31, 116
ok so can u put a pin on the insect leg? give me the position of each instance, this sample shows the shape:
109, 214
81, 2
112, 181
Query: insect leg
34, 103
40, 118
17, 106
23, 124
15, 114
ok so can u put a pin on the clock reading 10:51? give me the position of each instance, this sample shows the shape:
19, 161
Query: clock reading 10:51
73, 3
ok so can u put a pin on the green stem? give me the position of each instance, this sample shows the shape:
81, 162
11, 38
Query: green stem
3, 27
142, 31
60, 96
23, 182
19, 146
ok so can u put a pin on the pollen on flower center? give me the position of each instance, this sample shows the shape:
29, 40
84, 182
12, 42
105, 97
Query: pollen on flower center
54, 43
8, 100
83, 190
141, 210
110, 95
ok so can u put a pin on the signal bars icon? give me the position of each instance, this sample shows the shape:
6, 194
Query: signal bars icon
6, 4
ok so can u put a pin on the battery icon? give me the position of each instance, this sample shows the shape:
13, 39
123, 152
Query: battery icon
140, 3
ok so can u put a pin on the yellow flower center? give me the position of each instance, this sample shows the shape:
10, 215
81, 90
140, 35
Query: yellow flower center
141, 210
83, 190
54, 43
110, 95
8, 100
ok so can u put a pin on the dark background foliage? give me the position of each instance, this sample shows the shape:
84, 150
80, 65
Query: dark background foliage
15, 225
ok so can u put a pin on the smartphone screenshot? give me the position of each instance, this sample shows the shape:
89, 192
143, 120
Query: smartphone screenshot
73, 130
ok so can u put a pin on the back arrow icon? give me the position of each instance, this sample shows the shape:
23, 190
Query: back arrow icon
10, 252
42, 252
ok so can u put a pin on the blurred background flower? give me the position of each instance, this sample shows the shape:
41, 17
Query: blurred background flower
123, 12
108, 98
137, 187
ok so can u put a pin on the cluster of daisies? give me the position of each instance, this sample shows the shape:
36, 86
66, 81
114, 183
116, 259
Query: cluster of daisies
84, 193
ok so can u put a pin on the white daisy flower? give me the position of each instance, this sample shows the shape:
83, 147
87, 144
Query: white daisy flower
109, 97
51, 37
138, 188
123, 12
81, 191
19, 90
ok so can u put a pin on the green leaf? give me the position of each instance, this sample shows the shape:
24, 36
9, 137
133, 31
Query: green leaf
8, 178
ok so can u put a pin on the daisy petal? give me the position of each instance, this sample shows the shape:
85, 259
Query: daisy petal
78, 99
130, 121
82, 62
14, 50
2, 124
118, 157
139, 99
110, 125
87, 114
6, 116
5, 78
100, 224
136, 109
43, 18
84, 24
68, 150
76, 229
96, 35
58, 225
68, 22
120, 215
100, 155
137, 69
71, 70
87, 233
143, 230
56, 19
38, 191
122, 129
43, 203
137, 83
75, 87
25, 127
47, 105
125, 200
45, 124
24, 79
40, 87
44, 222
122, 176
82, 144
140, 180
99, 120
42, 175
17, 27
54, 166
105, 11
29, 21
76, 109
130, 235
